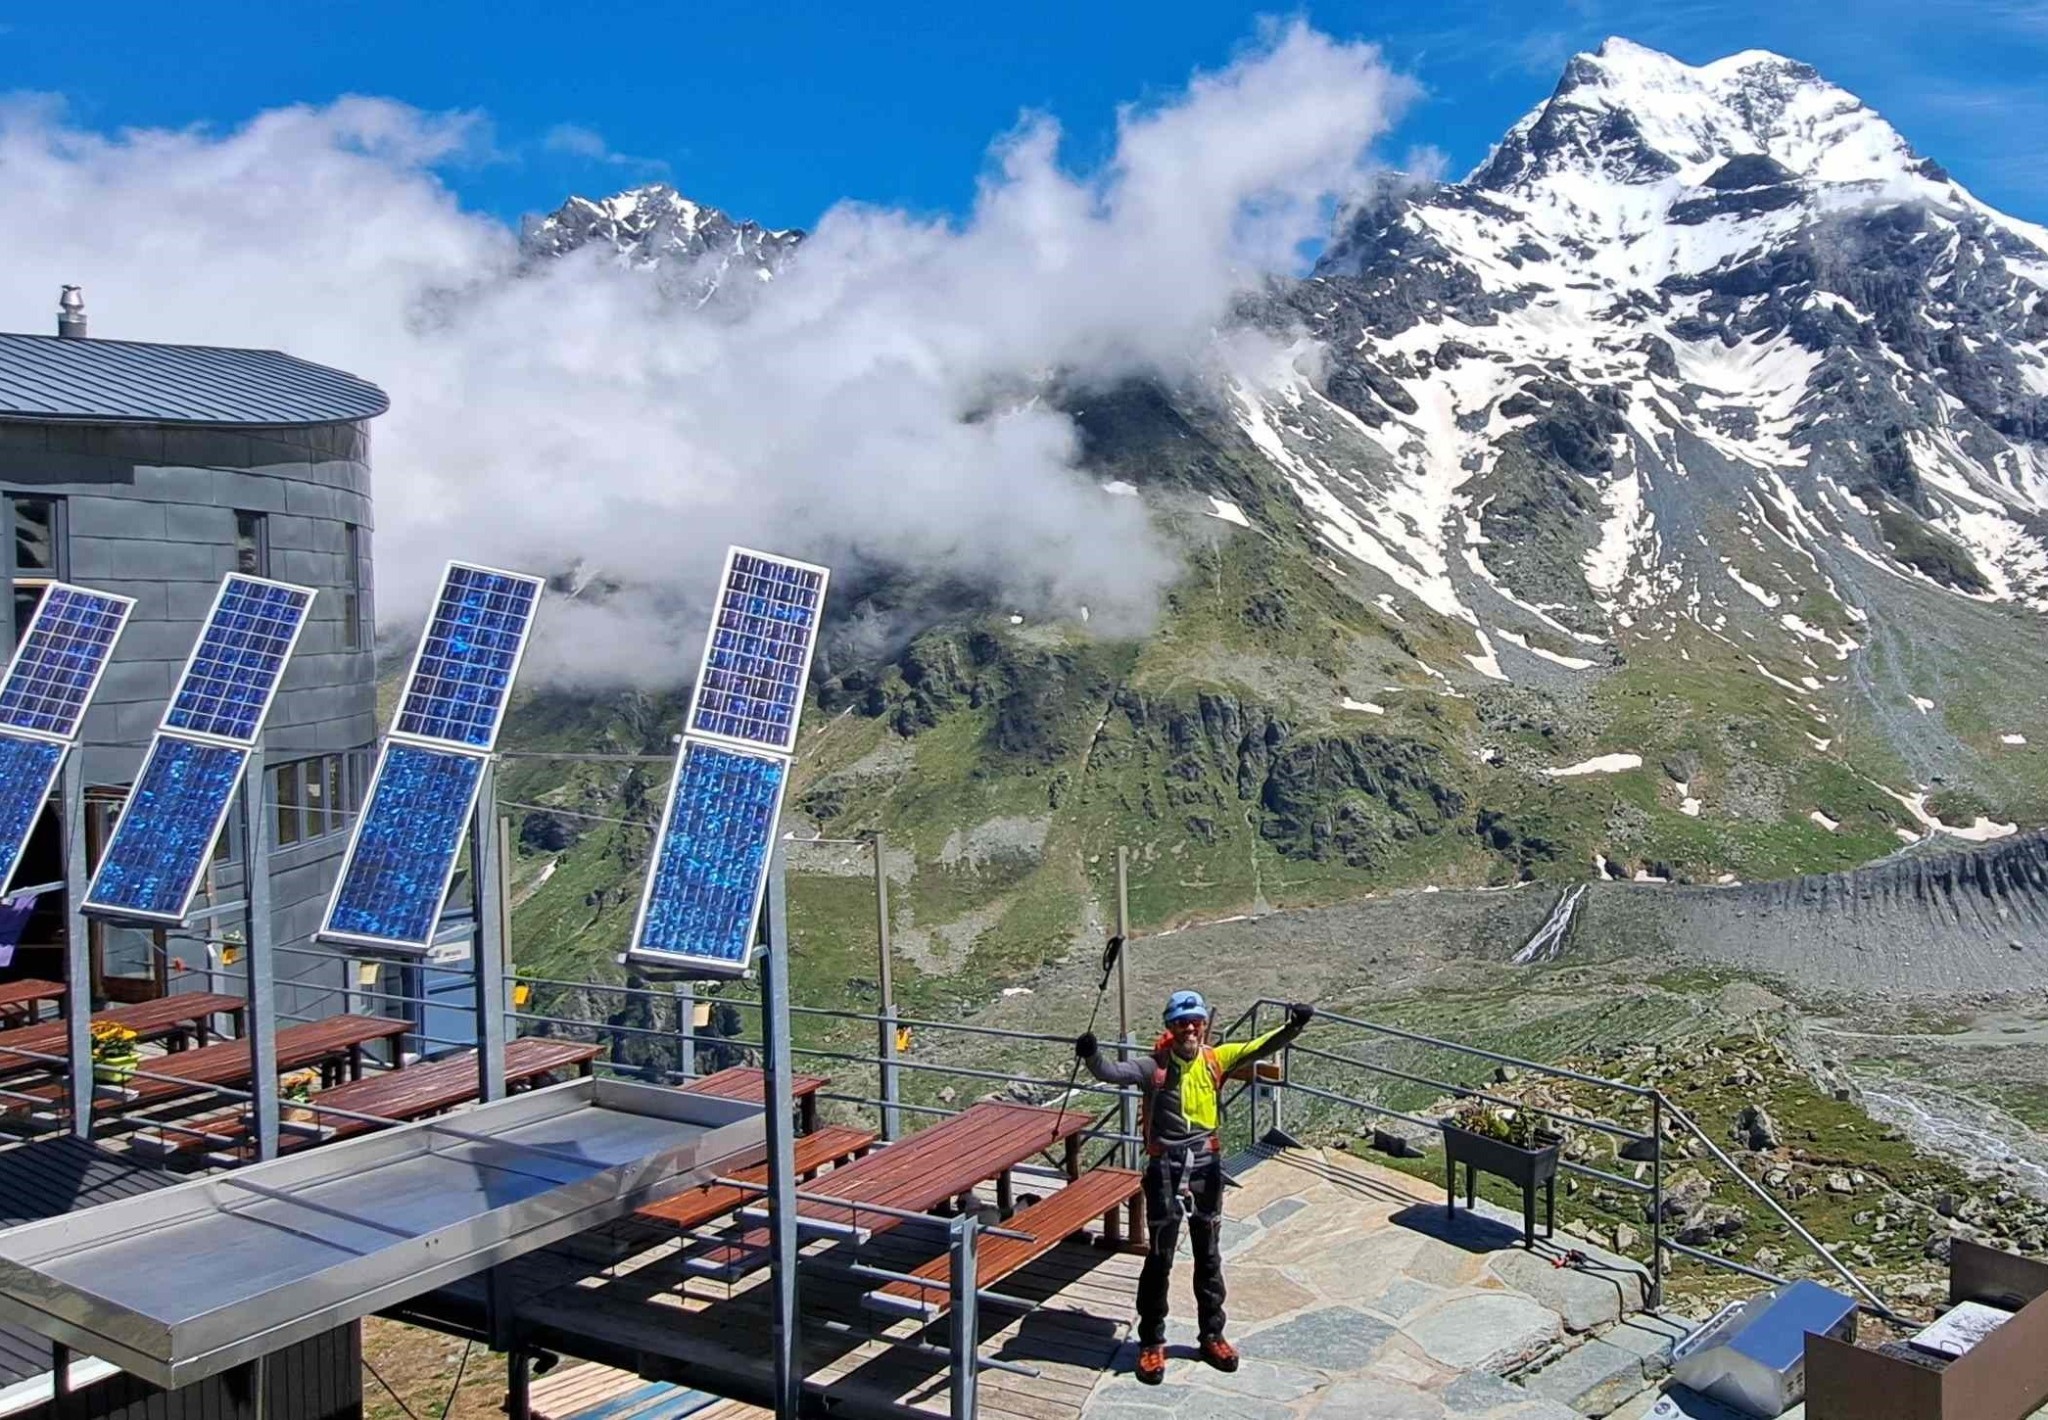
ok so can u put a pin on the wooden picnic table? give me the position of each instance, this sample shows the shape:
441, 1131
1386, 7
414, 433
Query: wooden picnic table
944, 1162
21, 1002
398, 1095
746, 1082
168, 1017
321, 1042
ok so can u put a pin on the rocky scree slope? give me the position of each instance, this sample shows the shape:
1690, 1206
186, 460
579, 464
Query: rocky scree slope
1665, 500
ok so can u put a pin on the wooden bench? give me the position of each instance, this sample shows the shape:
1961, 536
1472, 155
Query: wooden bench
400, 1095
1099, 1193
833, 1145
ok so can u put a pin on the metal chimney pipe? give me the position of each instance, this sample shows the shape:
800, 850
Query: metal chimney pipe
71, 313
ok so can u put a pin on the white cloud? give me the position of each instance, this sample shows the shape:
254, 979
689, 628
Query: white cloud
568, 416
576, 141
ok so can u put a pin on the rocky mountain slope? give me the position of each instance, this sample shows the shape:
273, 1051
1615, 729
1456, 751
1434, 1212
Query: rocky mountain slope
1668, 499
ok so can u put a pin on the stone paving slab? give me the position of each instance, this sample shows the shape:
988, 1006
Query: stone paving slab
1353, 1296
1593, 1379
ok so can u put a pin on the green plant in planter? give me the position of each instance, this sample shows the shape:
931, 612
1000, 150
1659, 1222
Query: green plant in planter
1517, 1128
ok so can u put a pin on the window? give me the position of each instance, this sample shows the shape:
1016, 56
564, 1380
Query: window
39, 552
319, 796
252, 544
290, 804
352, 594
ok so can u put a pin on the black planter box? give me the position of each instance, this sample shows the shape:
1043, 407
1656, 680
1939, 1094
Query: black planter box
1527, 1169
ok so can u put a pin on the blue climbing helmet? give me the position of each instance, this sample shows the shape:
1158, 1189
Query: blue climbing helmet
1184, 1004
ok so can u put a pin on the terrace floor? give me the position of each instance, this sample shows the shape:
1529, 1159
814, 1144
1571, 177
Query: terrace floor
1350, 1296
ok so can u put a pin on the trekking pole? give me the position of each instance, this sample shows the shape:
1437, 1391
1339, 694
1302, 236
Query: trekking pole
1110, 953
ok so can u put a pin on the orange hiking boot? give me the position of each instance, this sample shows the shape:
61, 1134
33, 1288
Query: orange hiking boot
1219, 1353
1151, 1364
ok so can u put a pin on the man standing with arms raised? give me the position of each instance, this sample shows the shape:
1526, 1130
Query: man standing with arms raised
1181, 1123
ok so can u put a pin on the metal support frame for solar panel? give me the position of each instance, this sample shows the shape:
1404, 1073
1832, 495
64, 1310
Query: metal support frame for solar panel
210, 726
51, 678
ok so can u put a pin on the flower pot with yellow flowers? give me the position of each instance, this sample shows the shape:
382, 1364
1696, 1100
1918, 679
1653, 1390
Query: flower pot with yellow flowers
115, 1055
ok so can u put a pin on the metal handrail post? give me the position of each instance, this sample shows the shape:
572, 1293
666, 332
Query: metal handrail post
1280, 1085
1127, 1108
686, 1030
885, 1016
260, 1019
78, 1073
966, 1324
776, 1068
487, 962
1656, 1201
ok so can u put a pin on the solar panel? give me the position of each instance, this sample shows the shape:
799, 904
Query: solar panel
234, 670
28, 769
167, 829
711, 860
60, 660
403, 852
757, 656
462, 675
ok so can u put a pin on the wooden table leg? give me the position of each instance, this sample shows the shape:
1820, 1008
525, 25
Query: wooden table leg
1006, 1201
807, 1114
1073, 1157
355, 1062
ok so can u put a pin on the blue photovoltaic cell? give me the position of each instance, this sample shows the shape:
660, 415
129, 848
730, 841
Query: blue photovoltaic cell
166, 831
707, 875
239, 660
27, 769
753, 683
398, 866
459, 685
60, 660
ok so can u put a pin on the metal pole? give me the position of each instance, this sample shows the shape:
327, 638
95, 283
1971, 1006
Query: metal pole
1126, 1097
892, 1122
77, 950
966, 1325
261, 1026
1123, 932
686, 1030
775, 1061
518, 1388
1656, 1201
488, 955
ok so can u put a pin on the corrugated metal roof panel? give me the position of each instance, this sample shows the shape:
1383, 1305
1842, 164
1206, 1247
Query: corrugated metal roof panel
45, 378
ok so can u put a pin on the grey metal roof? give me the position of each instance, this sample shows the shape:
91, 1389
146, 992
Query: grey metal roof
45, 378
47, 1178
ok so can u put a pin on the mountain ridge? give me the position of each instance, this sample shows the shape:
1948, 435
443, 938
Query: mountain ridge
1615, 511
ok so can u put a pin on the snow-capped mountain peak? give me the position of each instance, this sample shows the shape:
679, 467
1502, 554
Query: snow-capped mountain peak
1633, 115
692, 248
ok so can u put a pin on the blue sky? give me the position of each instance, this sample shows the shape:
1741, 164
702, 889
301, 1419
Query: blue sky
775, 112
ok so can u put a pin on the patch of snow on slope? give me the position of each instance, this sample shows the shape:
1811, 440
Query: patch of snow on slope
1120, 489
1824, 821
1599, 764
1628, 525
1570, 663
1486, 663
1227, 511
1366, 706
2012, 739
